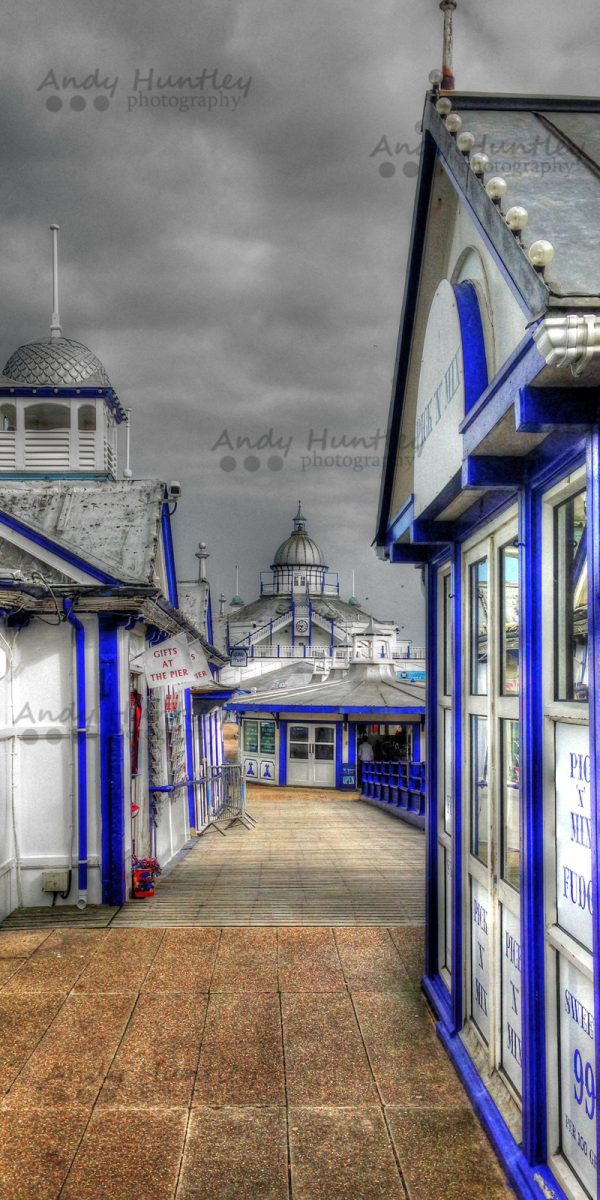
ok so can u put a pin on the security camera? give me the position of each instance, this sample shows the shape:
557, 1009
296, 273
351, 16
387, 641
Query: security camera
174, 488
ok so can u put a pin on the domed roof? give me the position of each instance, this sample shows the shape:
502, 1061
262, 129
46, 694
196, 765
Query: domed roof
298, 550
56, 361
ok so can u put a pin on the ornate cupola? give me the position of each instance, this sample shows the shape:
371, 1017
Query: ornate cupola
298, 564
58, 409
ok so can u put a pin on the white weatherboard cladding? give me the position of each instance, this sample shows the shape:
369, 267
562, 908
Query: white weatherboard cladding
440, 400
512, 1045
573, 832
577, 1073
480, 958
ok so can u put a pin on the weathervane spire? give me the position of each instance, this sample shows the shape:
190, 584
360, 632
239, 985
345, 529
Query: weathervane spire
447, 84
55, 327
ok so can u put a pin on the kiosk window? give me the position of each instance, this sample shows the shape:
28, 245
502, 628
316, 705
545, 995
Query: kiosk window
570, 599
479, 789
509, 575
510, 802
479, 627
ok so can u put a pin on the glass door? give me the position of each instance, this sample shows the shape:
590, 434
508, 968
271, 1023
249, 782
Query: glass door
311, 755
491, 789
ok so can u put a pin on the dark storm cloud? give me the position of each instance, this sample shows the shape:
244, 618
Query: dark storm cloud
243, 270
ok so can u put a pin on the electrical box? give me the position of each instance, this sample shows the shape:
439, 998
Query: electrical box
55, 881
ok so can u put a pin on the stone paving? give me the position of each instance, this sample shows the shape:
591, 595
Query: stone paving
290, 1062
234, 1064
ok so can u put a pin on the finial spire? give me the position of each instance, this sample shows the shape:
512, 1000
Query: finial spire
447, 84
202, 555
299, 520
55, 328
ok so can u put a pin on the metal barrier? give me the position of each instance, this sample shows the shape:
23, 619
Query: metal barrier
226, 798
398, 787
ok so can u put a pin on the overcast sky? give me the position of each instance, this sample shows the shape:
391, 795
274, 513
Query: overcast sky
239, 266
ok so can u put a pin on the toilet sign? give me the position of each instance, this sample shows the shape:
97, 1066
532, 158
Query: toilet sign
440, 400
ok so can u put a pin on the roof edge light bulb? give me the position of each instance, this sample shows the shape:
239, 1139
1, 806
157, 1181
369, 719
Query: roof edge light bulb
496, 189
435, 79
541, 254
465, 142
516, 218
479, 164
443, 106
453, 123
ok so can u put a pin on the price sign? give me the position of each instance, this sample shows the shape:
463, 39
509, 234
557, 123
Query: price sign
578, 1073
512, 1046
480, 958
574, 832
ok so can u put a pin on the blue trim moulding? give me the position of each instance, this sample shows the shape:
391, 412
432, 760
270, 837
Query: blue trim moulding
431, 824
324, 708
46, 543
82, 788
339, 734
165, 521
189, 746
593, 547
473, 343
531, 803
282, 753
114, 890
457, 822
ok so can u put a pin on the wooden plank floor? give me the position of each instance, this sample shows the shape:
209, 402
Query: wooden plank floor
314, 858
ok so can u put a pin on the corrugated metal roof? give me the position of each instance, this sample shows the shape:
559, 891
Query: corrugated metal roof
360, 686
114, 526
539, 156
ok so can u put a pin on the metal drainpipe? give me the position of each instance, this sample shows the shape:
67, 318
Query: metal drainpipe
82, 798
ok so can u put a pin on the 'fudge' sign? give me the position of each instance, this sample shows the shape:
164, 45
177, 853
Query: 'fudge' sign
573, 832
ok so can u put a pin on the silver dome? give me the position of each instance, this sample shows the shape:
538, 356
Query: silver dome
56, 362
298, 550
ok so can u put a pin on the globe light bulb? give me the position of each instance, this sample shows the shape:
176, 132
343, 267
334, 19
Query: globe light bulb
465, 142
435, 78
516, 218
496, 188
479, 163
541, 254
453, 123
443, 106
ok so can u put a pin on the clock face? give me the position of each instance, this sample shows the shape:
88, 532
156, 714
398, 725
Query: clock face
301, 626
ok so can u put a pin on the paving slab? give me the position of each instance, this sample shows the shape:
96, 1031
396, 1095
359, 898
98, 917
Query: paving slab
235, 1154
241, 1062
126, 1153
444, 1155
158, 1057
37, 1146
342, 1154
325, 1059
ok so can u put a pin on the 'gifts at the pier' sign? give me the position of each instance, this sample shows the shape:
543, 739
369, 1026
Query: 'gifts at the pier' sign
175, 664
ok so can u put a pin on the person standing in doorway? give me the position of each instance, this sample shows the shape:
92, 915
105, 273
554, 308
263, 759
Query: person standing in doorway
365, 755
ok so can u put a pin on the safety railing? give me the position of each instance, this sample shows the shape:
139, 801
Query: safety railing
225, 799
220, 797
396, 785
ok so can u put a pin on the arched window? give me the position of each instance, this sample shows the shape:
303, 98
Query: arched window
47, 416
86, 418
8, 418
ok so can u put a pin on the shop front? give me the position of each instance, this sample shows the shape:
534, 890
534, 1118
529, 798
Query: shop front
499, 505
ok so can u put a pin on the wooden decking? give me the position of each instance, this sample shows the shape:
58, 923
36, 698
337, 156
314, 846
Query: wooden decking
314, 858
